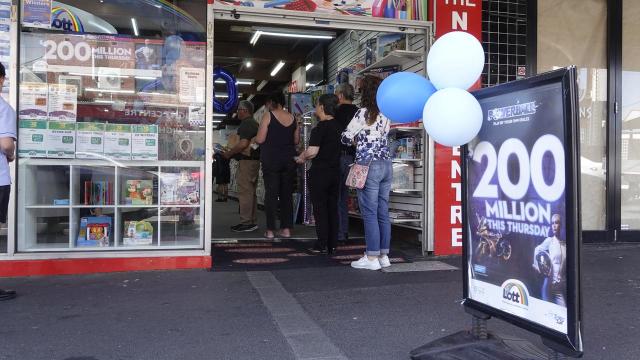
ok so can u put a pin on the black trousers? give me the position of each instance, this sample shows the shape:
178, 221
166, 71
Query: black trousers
324, 185
278, 193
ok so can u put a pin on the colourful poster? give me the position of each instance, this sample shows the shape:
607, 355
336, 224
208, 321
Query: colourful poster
36, 13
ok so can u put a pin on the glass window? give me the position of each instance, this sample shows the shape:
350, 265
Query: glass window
5, 55
630, 149
111, 125
573, 32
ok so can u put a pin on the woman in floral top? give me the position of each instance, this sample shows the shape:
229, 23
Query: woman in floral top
369, 130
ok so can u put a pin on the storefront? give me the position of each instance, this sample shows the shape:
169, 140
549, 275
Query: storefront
116, 126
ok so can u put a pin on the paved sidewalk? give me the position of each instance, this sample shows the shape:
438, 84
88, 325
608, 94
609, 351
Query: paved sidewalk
327, 312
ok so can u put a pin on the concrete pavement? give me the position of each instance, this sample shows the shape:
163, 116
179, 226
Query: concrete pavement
310, 313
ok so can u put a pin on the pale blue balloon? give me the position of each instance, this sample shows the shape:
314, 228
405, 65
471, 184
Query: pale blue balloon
452, 117
401, 96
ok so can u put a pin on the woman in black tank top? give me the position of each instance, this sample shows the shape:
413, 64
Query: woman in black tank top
278, 136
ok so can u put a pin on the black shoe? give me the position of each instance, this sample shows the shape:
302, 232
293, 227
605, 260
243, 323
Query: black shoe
318, 249
331, 251
7, 294
244, 228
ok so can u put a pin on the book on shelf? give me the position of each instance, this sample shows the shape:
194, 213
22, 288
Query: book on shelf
403, 176
406, 148
94, 231
137, 233
97, 193
139, 192
180, 188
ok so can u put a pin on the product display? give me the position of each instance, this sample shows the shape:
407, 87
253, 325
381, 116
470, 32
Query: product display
180, 189
94, 231
60, 140
144, 142
97, 193
139, 192
31, 138
117, 141
89, 140
390, 42
137, 233
403, 175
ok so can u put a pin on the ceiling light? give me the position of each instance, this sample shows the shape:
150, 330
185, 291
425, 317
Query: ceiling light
255, 37
250, 97
135, 26
219, 115
248, 64
262, 84
277, 68
110, 91
238, 81
309, 66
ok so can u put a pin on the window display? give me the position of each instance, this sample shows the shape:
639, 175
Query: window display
111, 134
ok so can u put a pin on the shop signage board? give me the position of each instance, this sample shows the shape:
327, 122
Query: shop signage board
405, 10
459, 15
521, 194
36, 13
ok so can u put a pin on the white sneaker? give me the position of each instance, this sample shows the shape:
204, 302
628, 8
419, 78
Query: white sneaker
384, 261
365, 263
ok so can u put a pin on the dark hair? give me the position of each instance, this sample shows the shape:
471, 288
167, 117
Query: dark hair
329, 103
370, 86
346, 90
276, 98
3, 72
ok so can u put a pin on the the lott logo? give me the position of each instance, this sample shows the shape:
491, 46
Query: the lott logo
515, 292
65, 20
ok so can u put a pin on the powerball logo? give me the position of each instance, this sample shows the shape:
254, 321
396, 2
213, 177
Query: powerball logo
514, 292
512, 111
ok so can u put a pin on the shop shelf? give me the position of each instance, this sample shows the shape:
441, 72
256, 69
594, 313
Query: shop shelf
395, 58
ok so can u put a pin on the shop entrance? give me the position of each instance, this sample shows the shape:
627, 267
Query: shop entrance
305, 58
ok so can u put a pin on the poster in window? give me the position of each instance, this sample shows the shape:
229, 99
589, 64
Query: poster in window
63, 102
36, 13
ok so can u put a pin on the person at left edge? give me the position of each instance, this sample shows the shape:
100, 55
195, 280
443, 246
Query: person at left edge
7, 155
324, 175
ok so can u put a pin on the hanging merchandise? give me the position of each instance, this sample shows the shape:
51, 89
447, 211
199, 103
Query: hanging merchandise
232, 91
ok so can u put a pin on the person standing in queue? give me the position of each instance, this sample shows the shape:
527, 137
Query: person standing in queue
345, 112
324, 175
248, 155
278, 136
369, 129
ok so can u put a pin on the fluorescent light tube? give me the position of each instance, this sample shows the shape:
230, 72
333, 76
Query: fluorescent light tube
277, 68
262, 84
309, 66
238, 81
255, 37
219, 115
110, 91
250, 97
134, 24
248, 64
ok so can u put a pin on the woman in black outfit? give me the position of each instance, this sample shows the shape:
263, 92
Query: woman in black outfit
278, 136
324, 175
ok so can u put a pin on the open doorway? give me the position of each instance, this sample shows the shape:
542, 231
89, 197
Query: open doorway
305, 62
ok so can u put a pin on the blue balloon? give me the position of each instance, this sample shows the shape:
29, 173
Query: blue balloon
401, 97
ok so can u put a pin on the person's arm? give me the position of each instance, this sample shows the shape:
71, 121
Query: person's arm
296, 133
8, 147
240, 147
310, 153
354, 127
264, 127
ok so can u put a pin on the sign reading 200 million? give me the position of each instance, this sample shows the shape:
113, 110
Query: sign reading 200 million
522, 233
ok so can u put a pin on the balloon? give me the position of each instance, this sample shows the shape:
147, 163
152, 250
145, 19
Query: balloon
401, 96
452, 117
232, 91
456, 60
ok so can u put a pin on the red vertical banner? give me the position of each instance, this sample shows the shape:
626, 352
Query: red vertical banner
451, 15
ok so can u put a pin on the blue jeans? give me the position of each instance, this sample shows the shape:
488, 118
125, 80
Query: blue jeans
374, 207
343, 195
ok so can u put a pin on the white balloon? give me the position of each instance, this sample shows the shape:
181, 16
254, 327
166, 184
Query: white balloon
452, 117
456, 60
